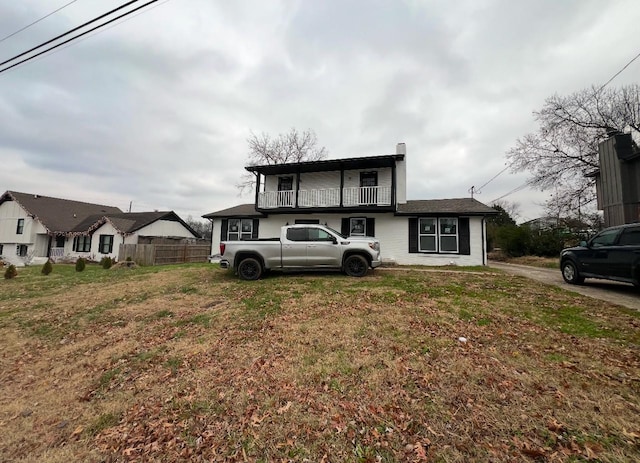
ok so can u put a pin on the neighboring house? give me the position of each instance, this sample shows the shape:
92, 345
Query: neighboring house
103, 234
618, 179
360, 196
34, 228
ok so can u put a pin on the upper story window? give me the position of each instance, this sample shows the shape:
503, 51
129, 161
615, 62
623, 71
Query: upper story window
20, 227
438, 235
285, 183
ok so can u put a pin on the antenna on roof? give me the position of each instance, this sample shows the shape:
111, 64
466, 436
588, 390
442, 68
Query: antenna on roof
130, 203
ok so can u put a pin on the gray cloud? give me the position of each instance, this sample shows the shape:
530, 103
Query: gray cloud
158, 109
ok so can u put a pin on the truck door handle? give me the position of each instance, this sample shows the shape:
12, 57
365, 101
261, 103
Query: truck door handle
311, 245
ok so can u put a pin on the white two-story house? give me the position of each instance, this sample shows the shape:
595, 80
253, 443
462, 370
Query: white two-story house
365, 196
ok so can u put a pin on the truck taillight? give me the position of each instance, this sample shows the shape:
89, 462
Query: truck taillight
222, 246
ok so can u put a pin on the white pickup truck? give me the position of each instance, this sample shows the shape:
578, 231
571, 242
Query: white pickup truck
302, 247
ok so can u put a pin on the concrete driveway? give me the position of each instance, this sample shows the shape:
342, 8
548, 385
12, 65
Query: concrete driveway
609, 291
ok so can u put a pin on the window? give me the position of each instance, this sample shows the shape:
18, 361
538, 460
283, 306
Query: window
605, 238
427, 233
298, 234
82, 243
20, 227
448, 235
59, 241
21, 250
368, 190
307, 222
285, 191
240, 229
630, 237
317, 234
438, 235
106, 244
357, 226
1, 249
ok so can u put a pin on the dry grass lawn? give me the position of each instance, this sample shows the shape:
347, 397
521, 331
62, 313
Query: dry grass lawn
187, 363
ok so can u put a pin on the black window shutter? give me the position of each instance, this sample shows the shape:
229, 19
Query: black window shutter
224, 228
464, 236
371, 226
413, 235
345, 227
254, 232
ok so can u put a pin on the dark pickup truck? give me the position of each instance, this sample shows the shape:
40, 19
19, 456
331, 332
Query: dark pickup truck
613, 254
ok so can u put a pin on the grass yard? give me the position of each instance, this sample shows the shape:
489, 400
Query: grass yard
187, 363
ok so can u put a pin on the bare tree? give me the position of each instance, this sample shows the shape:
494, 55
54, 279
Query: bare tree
289, 147
564, 150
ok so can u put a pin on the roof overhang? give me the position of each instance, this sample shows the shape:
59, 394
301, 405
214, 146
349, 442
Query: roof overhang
370, 162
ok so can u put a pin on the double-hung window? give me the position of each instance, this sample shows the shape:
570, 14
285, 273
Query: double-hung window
20, 227
240, 229
106, 244
82, 243
438, 235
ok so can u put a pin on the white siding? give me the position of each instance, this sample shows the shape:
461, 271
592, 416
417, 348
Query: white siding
10, 212
330, 179
165, 228
319, 180
392, 231
352, 177
105, 229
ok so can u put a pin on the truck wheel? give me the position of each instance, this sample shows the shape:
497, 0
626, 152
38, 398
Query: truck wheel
250, 269
570, 273
356, 266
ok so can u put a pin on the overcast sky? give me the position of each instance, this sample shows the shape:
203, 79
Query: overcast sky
157, 109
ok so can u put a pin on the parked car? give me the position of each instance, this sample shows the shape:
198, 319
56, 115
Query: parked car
613, 254
301, 247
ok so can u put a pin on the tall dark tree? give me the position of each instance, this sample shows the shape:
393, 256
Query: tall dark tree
292, 146
564, 149
202, 227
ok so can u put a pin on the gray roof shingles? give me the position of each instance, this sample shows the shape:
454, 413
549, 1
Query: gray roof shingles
456, 206
57, 215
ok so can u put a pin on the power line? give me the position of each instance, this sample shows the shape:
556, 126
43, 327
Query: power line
515, 190
36, 21
76, 37
478, 190
82, 39
68, 32
618, 73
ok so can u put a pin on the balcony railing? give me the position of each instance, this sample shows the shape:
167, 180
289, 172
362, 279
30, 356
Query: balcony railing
327, 197
56, 252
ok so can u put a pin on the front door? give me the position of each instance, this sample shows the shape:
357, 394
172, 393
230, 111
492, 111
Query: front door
285, 191
368, 188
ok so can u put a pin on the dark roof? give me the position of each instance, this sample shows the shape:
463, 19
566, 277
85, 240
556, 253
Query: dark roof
366, 162
129, 222
243, 210
57, 215
457, 206
460, 206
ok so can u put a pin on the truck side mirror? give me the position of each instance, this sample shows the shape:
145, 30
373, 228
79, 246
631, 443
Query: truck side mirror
334, 240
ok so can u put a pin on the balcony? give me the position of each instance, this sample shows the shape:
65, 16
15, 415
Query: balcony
326, 197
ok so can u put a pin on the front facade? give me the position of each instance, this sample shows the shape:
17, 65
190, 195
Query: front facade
34, 228
360, 197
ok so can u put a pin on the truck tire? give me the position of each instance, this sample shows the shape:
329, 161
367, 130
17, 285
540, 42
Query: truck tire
249, 269
356, 266
570, 273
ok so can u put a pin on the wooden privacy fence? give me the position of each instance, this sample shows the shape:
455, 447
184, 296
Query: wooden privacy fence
160, 254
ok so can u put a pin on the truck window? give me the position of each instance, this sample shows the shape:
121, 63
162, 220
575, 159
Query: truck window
298, 234
316, 234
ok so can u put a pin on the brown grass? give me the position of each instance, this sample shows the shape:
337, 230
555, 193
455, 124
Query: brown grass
187, 363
